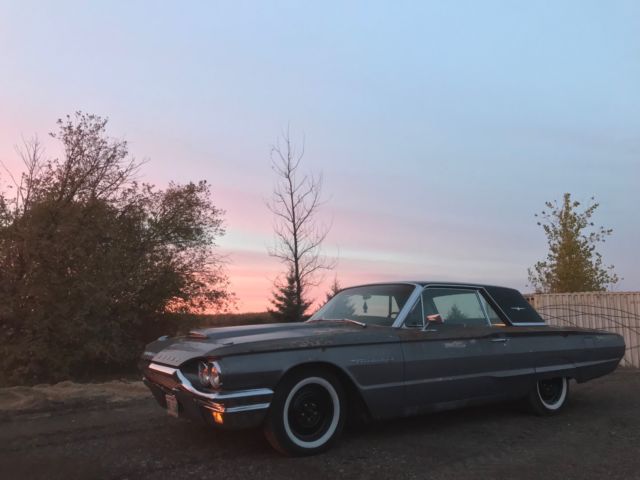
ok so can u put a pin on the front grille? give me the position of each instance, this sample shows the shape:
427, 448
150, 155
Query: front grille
160, 378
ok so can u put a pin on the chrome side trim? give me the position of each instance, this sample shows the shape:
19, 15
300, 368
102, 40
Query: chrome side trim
214, 407
247, 408
597, 362
569, 366
529, 324
218, 407
553, 368
162, 369
245, 393
185, 384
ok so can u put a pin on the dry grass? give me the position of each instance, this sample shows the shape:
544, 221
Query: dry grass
68, 394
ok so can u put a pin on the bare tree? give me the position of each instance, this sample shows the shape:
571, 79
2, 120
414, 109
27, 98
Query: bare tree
299, 235
31, 152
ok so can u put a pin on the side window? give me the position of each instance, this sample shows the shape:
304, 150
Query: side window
414, 319
455, 306
494, 319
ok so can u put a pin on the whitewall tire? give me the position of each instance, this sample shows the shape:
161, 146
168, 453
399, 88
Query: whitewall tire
307, 413
549, 396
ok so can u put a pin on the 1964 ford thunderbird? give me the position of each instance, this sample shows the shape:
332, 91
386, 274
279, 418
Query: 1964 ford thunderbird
381, 351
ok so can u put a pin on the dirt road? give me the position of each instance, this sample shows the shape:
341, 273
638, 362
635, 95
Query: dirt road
598, 436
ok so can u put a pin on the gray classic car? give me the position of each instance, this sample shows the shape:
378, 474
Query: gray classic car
376, 351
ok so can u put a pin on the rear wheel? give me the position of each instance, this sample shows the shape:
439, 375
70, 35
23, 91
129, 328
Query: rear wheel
549, 396
307, 413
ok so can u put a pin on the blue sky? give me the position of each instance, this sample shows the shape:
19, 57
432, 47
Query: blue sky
440, 127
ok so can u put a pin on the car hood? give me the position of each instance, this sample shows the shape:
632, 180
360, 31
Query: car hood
225, 341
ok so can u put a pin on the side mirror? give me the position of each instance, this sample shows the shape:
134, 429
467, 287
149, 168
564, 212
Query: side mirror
434, 319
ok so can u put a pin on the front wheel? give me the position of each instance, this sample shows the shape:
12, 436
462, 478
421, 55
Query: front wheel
307, 413
549, 396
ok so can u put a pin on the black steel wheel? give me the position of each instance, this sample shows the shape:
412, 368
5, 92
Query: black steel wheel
307, 413
549, 396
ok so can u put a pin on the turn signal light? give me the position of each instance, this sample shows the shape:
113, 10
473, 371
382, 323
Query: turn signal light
217, 417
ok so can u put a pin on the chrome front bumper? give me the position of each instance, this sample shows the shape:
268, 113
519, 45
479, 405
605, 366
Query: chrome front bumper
226, 409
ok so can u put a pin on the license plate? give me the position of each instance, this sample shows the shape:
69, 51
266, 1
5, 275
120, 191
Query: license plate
172, 405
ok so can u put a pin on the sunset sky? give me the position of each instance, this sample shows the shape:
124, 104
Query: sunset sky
440, 127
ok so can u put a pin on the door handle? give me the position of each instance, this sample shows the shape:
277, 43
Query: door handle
500, 340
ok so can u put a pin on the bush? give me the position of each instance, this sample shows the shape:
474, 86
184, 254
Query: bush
89, 258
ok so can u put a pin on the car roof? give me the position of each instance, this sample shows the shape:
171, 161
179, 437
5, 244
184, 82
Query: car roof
511, 302
429, 282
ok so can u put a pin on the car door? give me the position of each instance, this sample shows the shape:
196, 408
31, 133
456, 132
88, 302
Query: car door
513, 369
448, 362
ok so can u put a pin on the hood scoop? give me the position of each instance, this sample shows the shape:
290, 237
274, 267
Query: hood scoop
197, 335
200, 335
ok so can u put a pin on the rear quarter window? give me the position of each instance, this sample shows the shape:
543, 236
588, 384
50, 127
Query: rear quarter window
514, 305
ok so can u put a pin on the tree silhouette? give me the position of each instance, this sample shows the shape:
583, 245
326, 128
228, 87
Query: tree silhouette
295, 203
288, 307
456, 314
334, 288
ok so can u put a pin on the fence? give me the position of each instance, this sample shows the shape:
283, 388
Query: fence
614, 311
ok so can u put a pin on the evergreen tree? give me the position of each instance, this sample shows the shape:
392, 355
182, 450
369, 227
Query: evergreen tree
342, 308
288, 306
334, 288
572, 264
456, 314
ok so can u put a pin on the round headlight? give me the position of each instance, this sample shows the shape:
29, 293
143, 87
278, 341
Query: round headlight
204, 374
214, 375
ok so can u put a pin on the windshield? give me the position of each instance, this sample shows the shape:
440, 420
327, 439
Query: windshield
370, 304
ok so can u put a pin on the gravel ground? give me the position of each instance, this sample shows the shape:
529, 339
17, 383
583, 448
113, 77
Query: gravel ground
597, 436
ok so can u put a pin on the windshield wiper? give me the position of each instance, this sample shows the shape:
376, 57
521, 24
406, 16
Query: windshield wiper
362, 324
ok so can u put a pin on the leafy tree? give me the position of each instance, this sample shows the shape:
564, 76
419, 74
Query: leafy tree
572, 264
295, 204
89, 257
288, 307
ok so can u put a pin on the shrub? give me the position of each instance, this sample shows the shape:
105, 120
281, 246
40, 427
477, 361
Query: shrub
89, 258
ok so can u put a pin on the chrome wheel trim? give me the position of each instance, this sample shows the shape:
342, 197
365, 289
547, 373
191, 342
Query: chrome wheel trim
559, 402
334, 421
